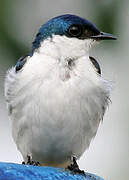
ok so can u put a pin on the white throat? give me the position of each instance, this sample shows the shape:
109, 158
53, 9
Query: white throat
64, 47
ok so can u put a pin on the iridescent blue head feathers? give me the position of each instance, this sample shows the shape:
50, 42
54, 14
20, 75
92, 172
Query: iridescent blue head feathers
71, 26
60, 26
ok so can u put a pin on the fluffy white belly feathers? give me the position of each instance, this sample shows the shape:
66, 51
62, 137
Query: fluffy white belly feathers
54, 118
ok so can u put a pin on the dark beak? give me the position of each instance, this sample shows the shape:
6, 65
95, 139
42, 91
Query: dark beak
104, 36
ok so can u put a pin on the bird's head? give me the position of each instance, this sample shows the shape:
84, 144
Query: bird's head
70, 31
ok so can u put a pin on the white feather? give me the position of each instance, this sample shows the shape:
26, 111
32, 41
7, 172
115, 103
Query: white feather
56, 109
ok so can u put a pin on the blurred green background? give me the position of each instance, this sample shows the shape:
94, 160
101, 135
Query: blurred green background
108, 155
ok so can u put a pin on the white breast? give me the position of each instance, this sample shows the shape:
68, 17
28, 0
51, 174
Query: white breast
55, 111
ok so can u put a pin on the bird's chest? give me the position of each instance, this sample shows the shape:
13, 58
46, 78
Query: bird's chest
62, 99
62, 104
59, 108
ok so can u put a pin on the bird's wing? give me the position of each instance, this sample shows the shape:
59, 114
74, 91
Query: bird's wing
20, 63
95, 64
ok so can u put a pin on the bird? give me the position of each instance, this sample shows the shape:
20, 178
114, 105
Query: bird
56, 95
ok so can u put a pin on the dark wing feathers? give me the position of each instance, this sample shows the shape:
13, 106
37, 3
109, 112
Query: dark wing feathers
95, 64
21, 62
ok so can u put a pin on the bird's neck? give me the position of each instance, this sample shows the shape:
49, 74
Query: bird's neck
63, 47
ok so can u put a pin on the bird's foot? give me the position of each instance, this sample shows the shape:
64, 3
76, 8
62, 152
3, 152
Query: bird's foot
74, 168
30, 162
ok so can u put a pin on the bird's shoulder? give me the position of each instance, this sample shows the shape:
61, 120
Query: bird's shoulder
11, 76
21, 62
95, 64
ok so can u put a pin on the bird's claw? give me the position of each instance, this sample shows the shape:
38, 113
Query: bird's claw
30, 162
74, 168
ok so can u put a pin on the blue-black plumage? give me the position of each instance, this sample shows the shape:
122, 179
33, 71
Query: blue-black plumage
60, 26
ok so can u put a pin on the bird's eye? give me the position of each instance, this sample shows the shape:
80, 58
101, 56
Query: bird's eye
75, 30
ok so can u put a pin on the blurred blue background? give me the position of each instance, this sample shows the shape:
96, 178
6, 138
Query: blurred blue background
108, 155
